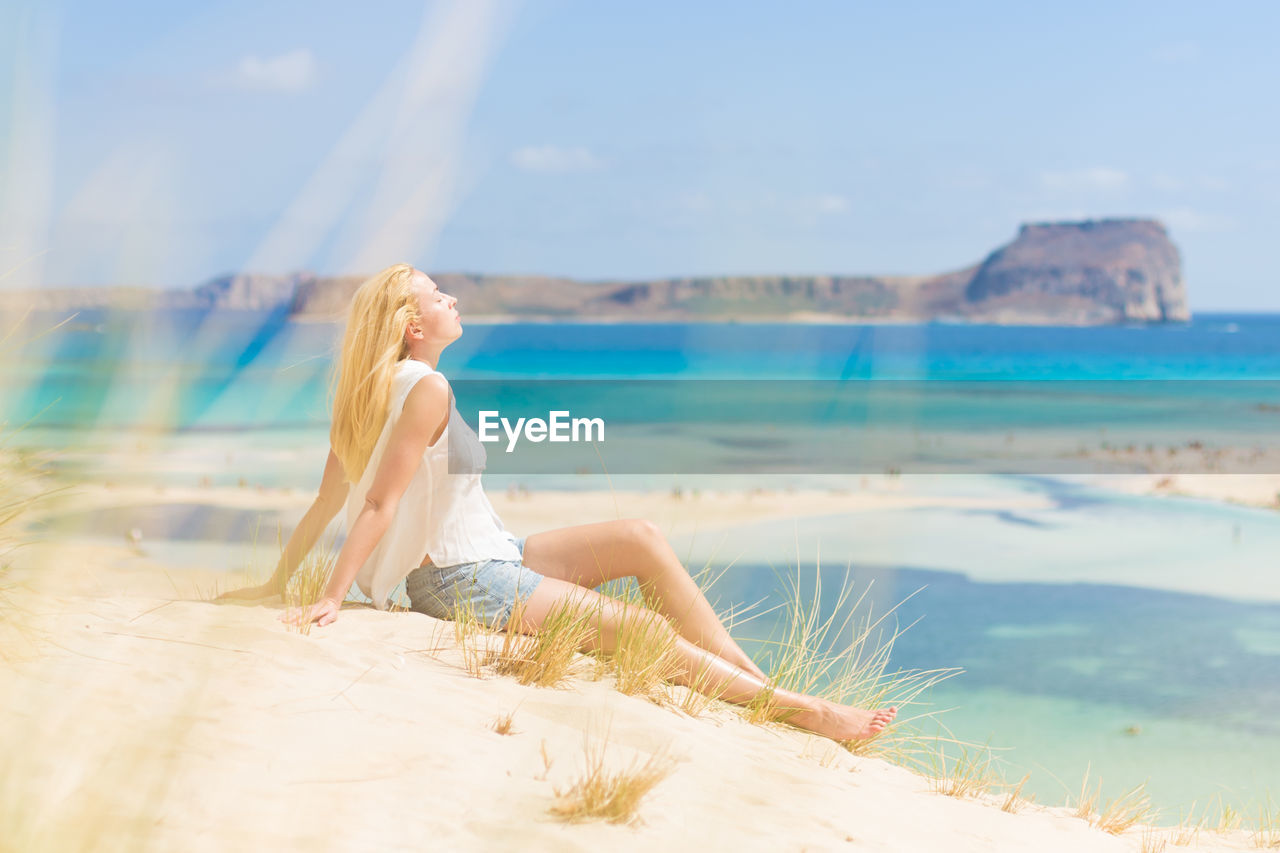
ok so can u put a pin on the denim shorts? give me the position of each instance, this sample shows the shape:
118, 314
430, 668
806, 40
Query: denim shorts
488, 589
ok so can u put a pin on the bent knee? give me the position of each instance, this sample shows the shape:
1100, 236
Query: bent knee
643, 531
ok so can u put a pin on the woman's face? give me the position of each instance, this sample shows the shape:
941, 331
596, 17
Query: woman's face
439, 321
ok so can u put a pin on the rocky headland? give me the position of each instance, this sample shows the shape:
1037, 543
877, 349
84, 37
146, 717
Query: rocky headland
1061, 273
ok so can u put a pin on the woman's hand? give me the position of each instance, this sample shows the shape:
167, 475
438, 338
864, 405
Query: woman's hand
323, 612
251, 593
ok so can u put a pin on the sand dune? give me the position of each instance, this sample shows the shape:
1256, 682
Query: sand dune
136, 717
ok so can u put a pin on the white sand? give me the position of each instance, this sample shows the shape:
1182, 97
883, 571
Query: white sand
133, 718
546, 509
1262, 490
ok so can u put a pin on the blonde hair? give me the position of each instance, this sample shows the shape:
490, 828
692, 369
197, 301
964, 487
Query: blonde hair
372, 345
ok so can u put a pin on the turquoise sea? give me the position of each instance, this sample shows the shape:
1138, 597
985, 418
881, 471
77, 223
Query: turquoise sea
1135, 636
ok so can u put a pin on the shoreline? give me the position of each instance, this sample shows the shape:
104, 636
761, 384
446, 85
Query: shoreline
877, 526
853, 492
1260, 491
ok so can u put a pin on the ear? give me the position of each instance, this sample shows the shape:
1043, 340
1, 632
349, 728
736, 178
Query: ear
413, 331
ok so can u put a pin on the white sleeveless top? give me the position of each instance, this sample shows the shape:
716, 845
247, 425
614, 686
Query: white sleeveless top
442, 516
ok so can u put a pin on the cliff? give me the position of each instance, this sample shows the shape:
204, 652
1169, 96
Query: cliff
1114, 270
1065, 273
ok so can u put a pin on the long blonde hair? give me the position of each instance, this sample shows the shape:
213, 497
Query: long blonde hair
372, 345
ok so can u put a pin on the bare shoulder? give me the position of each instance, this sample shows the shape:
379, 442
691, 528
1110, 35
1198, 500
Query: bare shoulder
428, 399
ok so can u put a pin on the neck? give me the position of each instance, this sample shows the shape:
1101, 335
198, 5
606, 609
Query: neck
426, 356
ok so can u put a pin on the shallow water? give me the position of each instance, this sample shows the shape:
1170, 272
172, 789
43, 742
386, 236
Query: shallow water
1085, 534
1090, 635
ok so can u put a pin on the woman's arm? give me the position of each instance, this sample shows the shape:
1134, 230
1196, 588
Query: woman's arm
425, 415
329, 500
328, 503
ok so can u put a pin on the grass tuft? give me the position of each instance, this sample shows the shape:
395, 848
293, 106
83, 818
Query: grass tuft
474, 640
1266, 833
839, 650
502, 724
1117, 815
1188, 829
547, 761
610, 795
1153, 842
308, 584
1087, 803
644, 657
1131, 807
549, 657
544, 659
967, 775
1228, 818
1014, 801
645, 663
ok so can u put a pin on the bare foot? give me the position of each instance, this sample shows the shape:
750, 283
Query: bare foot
843, 723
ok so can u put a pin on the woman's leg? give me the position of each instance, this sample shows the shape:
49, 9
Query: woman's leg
700, 669
591, 554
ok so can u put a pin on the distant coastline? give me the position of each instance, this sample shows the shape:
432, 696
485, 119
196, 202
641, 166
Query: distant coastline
1094, 272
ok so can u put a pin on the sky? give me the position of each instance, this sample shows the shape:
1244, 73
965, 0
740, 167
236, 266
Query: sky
162, 144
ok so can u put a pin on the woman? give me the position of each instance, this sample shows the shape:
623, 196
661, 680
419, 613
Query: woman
410, 519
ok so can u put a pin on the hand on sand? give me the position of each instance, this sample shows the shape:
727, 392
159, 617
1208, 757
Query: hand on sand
323, 612
269, 589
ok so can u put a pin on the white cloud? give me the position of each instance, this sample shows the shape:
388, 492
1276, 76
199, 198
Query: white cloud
554, 159
1092, 178
290, 72
1176, 52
